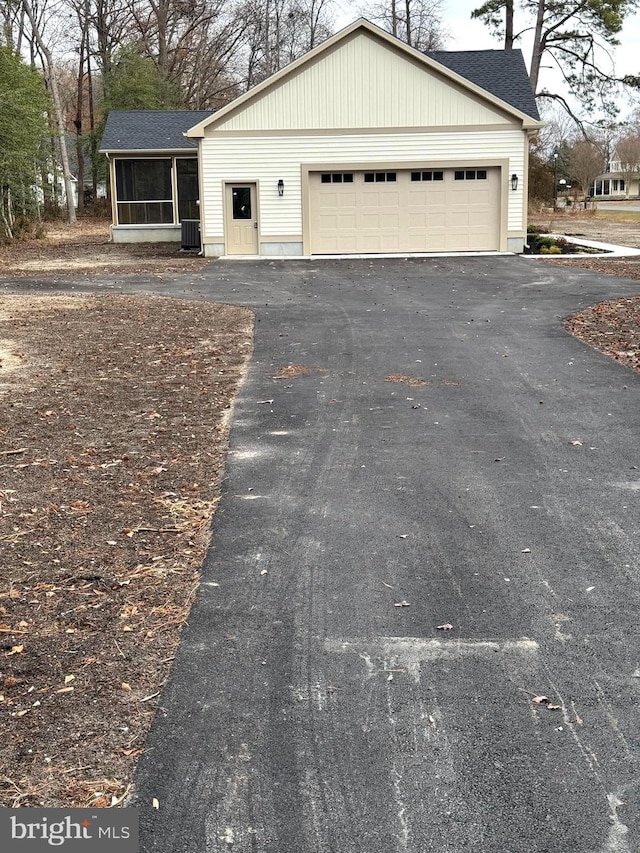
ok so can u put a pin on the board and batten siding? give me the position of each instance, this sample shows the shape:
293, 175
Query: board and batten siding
267, 159
361, 83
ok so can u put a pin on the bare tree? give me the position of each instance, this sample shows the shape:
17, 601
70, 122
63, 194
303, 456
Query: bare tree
416, 22
280, 31
195, 44
628, 151
37, 34
586, 162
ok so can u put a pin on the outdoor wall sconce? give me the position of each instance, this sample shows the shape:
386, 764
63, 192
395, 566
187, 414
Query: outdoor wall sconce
280, 187
514, 182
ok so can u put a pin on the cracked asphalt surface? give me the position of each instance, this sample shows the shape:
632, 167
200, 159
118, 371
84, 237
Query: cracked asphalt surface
493, 485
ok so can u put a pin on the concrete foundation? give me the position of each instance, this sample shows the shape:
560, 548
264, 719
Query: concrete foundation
146, 233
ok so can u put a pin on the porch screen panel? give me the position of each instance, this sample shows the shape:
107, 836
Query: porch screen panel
187, 176
143, 192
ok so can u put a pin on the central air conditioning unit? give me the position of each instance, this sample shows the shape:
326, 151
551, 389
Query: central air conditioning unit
190, 234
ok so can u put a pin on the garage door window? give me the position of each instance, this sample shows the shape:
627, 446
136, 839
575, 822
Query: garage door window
427, 176
470, 175
380, 177
336, 178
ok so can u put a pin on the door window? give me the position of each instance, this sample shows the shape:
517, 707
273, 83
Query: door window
241, 206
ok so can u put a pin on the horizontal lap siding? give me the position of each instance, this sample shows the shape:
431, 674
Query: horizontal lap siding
269, 159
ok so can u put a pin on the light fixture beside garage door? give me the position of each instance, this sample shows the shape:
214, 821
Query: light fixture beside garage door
514, 182
280, 187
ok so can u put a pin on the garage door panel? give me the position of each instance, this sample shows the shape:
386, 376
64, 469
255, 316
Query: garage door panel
328, 201
459, 219
390, 221
328, 222
347, 221
418, 220
417, 199
405, 215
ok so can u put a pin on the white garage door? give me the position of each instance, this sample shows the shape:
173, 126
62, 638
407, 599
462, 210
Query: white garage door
431, 210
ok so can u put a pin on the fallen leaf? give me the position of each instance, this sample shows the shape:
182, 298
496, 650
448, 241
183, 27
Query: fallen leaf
526, 551
402, 535
125, 686
155, 803
22, 713
65, 690
446, 626
544, 700
127, 628
264, 572
15, 650
576, 442
388, 585
69, 678
402, 604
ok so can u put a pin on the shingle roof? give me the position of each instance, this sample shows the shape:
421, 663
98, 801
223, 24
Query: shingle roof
150, 130
501, 72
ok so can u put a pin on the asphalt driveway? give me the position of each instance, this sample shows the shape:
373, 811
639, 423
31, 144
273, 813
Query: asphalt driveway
417, 443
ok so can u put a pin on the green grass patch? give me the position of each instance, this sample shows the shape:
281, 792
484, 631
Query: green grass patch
618, 215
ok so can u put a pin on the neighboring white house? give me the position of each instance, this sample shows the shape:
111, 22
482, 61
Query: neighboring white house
364, 145
613, 184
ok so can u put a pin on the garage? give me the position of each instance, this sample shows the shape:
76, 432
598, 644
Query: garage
408, 210
367, 146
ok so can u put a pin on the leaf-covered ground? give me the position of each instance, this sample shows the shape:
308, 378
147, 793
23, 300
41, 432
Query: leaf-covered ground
611, 327
113, 429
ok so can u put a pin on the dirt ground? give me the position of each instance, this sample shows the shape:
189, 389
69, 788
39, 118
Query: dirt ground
605, 226
113, 425
87, 250
114, 414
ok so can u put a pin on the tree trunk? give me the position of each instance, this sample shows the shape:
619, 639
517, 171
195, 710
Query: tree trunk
394, 18
78, 123
538, 46
508, 25
57, 105
92, 129
407, 6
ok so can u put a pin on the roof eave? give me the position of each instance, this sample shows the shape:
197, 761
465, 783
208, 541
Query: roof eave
154, 151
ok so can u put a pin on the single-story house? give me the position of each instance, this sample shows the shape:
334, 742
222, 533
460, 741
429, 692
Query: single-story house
153, 173
364, 145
